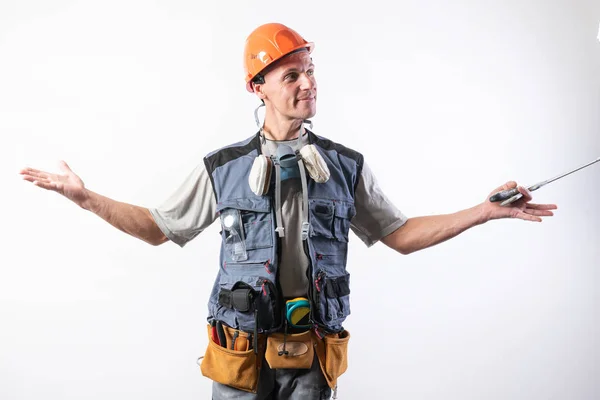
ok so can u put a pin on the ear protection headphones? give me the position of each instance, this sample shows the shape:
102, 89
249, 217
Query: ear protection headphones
286, 158
260, 174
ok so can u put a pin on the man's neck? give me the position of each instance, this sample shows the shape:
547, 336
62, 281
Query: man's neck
282, 129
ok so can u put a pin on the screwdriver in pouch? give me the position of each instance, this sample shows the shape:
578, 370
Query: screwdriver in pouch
249, 342
511, 195
233, 339
241, 343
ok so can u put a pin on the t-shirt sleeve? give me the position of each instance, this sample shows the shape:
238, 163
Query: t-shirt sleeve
376, 217
189, 210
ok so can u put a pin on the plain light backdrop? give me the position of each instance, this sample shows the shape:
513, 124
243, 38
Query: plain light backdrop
446, 100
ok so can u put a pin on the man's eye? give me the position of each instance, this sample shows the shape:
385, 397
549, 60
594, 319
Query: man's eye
291, 76
310, 72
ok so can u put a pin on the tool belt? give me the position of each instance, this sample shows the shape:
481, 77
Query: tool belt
237, 362
234, 357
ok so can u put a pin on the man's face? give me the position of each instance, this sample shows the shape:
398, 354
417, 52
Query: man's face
290, 86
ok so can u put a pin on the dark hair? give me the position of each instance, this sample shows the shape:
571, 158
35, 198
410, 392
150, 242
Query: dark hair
258, 79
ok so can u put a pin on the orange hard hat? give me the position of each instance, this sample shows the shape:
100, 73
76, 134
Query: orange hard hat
267, 44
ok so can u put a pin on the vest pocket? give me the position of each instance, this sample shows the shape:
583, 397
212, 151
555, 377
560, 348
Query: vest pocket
321, 218
344, 212
337, 292
333, 296
258, 229
246, 301
255, 214
330, 219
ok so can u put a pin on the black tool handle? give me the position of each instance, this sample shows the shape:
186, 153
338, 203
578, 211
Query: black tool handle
255, 337
221, 334
503, 195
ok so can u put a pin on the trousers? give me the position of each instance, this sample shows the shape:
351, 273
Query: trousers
281, 384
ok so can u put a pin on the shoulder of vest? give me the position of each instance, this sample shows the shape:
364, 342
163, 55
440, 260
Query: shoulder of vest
222, 156
328, 144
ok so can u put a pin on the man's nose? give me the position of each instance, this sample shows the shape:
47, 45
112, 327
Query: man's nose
307, 82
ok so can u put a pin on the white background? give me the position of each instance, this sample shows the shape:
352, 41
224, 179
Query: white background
446, 100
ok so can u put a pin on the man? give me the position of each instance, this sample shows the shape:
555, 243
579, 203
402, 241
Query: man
286, 200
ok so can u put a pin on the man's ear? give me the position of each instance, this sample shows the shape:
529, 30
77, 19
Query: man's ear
258, 89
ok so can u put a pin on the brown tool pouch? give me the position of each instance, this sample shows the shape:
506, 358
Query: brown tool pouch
332, 352
236, 368
294, 351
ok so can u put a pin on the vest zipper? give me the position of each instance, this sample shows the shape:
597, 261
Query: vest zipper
311, 289
277, 255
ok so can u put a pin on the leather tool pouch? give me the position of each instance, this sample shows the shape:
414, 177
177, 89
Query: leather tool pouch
238, 369
332, 352
297, 353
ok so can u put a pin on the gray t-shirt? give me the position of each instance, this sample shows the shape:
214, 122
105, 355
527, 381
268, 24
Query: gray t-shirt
192, 208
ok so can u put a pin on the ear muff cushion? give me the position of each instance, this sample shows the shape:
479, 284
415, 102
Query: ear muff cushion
317, 169
267, 180
260, 175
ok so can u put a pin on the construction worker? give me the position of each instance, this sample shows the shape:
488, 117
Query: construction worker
286, 200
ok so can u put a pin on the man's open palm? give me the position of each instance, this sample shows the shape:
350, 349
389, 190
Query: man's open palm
68, 183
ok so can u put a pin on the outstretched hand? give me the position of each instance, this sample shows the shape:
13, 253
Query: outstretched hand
68, 183
521, 208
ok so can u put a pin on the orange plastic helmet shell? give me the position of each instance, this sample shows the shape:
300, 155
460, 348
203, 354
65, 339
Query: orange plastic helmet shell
267, 44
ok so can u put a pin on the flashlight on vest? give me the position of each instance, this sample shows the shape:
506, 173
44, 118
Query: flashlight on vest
231, 222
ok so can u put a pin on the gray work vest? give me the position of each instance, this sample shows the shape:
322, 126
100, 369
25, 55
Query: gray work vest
247, 293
